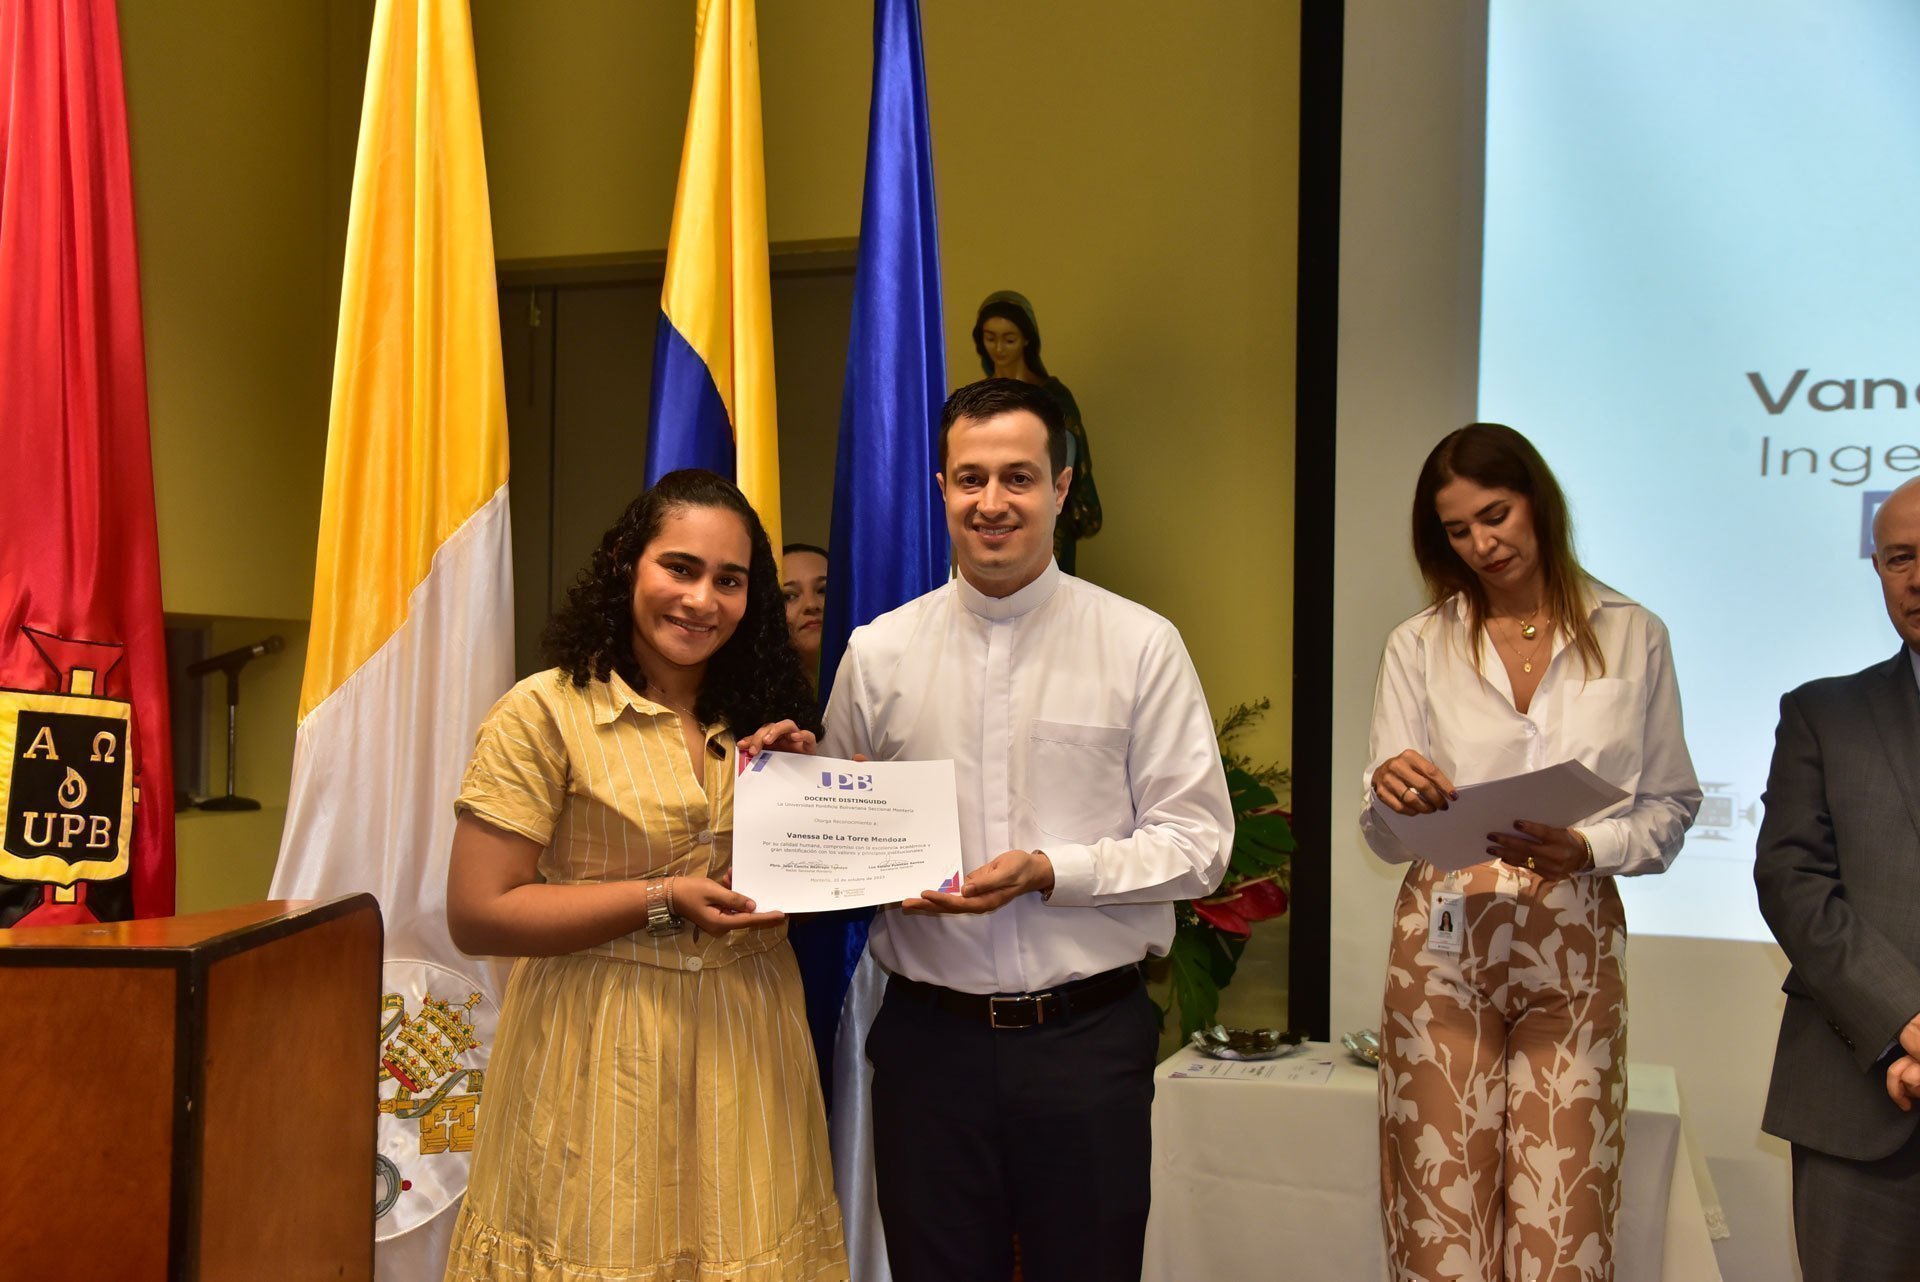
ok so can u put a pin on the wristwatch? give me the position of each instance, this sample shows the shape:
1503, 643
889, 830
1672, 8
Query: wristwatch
660, 916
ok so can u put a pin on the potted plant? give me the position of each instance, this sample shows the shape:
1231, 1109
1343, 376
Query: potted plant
1210, 934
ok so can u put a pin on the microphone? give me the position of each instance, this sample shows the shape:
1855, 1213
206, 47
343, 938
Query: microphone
234, 660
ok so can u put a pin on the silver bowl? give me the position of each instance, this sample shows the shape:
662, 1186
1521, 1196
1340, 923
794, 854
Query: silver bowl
1363, 1046
1245, 1043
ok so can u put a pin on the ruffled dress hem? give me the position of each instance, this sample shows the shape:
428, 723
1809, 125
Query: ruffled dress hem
813, 1251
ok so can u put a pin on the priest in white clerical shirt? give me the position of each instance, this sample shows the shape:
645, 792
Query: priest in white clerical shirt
1013, 1054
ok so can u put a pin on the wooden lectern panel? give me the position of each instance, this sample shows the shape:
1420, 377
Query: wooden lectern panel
273, 1094
192, 1097
90, 1062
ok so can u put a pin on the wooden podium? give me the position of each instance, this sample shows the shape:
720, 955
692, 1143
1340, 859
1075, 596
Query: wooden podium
191, 1097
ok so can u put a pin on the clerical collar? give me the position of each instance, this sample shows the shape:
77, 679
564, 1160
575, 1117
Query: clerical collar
1025, 601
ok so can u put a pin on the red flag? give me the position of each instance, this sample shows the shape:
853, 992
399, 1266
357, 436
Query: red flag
86, 780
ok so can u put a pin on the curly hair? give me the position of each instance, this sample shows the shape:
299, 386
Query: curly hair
754, 677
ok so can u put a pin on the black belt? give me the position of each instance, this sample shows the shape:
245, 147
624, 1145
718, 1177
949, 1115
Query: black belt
1024, 1010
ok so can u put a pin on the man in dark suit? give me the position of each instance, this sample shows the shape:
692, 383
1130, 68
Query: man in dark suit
1838, 871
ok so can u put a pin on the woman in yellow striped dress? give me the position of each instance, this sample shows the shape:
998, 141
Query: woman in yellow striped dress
652, 1109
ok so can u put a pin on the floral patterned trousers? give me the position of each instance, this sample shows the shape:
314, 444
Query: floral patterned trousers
1503, 1080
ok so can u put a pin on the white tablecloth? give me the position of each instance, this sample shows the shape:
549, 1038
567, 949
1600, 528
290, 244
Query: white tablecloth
1263, 1179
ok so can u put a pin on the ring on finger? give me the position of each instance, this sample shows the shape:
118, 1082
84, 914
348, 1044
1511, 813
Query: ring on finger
1411, 790
1530, 864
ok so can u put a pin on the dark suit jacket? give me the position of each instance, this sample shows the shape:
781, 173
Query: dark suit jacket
1838, 871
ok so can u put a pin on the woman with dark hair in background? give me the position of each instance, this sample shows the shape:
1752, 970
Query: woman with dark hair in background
652, 1106
803, 585
1007, 338
1503, 1062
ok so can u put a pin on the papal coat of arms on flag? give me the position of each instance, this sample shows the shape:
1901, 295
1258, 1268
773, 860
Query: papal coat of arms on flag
436, 1029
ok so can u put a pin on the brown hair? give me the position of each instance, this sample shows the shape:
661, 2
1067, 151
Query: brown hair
1497, 457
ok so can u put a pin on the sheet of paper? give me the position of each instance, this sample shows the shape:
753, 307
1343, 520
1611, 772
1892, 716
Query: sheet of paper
1456, 837
1299, 1070
814, 833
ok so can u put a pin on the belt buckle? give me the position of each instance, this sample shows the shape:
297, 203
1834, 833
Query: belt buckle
1019, 1002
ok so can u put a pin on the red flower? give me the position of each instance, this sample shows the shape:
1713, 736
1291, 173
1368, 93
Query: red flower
1241, 905
1220, 914
1262, 898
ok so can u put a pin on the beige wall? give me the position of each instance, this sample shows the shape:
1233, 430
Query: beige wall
1131, 168
227, 111
226, 108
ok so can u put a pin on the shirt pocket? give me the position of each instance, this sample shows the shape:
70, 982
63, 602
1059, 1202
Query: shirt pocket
1609, 728
1077, 780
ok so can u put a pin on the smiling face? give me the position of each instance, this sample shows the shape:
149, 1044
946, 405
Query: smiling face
1006, 346
689, 590
1896, 557
1001, 504
803, 582
1491, 530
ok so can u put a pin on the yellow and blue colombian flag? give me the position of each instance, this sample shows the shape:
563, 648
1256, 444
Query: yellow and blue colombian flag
712, 404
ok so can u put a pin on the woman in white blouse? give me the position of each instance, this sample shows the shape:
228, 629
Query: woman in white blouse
1503, 1071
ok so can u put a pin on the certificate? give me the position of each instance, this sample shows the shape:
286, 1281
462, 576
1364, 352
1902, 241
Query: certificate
1456, 837
814, 833
1296, 1070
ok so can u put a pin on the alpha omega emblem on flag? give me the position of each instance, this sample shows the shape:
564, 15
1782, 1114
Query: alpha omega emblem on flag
66, 787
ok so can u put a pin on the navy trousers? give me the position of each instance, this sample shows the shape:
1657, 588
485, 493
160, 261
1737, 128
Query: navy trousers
981, 1133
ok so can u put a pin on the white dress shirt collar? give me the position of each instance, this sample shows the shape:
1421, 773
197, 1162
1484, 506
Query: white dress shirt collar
1015, 604
1076, 726
1913, 658
1594, 594
1433, 697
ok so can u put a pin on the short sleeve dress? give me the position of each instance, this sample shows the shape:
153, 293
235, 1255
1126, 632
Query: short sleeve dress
652, 1108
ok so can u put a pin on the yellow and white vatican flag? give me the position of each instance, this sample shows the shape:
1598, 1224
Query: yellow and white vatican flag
412, 638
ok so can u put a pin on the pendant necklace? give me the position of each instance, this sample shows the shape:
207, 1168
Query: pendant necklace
1526, 660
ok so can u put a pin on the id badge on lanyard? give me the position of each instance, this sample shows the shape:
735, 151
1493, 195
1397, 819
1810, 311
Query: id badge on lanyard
1446, 920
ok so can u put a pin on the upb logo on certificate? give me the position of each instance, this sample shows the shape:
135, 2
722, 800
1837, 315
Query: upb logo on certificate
812, 833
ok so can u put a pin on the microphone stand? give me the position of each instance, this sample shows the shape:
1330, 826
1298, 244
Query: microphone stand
230, 663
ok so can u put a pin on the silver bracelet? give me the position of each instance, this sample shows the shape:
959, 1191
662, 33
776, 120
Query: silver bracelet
661, 919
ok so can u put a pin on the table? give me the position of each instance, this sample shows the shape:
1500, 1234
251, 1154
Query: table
1276, 1179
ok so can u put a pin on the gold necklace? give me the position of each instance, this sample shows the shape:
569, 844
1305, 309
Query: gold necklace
658, 696
1525, 622
1527, 631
